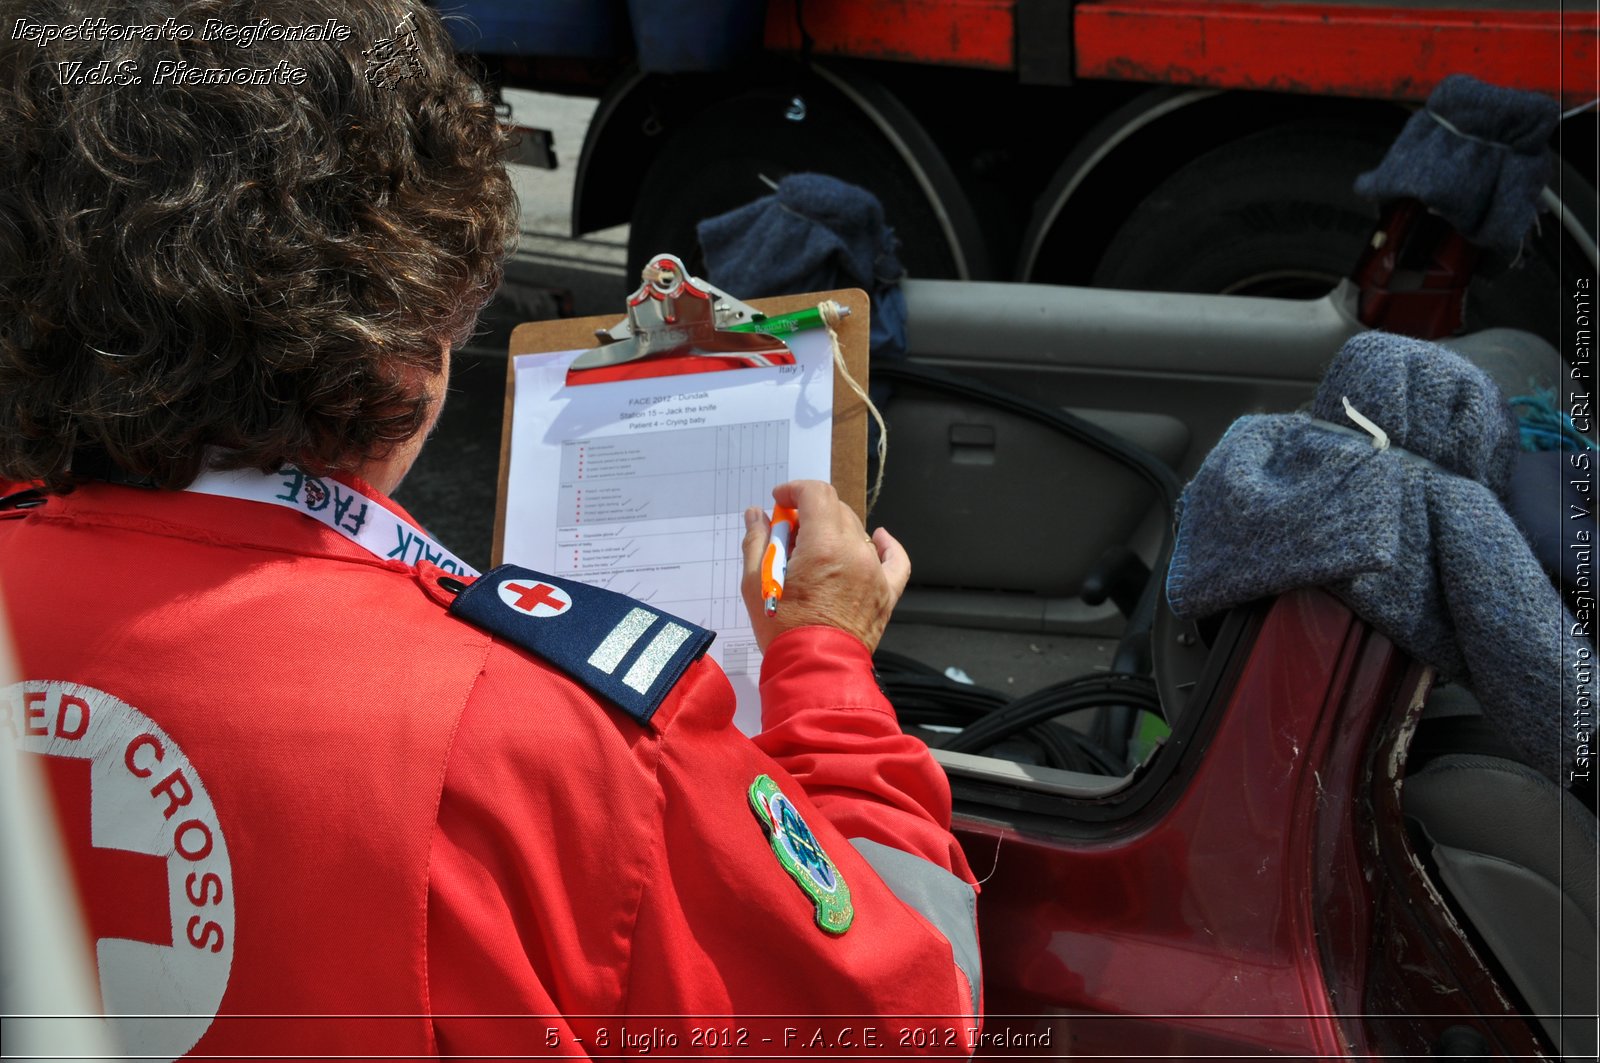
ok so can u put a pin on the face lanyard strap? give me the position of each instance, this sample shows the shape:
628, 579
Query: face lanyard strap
362, 520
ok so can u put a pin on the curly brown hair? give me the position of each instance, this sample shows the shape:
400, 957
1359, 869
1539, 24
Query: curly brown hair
190, 262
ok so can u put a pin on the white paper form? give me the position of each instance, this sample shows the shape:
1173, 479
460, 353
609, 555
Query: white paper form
640, 486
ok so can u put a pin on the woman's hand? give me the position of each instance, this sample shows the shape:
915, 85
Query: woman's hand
837, 574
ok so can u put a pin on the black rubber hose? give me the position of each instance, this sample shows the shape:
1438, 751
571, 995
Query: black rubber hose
1074, 695
921, 697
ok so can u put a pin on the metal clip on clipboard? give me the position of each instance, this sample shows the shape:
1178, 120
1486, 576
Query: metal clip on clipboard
676, 324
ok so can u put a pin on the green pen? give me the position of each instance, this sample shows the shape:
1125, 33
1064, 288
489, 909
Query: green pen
788, 324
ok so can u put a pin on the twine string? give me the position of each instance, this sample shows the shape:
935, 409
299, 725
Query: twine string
831, 316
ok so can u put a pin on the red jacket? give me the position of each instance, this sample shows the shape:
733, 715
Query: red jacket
313, 793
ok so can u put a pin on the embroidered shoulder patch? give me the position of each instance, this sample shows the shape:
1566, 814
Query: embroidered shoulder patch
797, 850
624, 651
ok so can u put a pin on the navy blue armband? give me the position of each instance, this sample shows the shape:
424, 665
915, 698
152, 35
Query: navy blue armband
617, 647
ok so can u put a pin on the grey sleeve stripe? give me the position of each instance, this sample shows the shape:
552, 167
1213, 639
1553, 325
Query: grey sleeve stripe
938, 896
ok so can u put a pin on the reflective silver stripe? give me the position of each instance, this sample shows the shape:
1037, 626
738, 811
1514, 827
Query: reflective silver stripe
938, 896
610, 653
655, 657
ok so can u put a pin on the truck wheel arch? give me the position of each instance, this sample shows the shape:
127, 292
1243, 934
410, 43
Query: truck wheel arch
627, 137
1135, 148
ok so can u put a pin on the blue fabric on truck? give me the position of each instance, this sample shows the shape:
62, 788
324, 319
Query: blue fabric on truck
814, 234
1478, 155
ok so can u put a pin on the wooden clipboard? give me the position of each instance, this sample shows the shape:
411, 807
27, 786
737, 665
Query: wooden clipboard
849, 412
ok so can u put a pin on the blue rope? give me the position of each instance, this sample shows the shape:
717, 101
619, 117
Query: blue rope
1543, 427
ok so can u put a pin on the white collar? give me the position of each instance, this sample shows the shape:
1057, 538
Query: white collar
363, 520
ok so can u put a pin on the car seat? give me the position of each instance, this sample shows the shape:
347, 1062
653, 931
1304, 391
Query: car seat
1517, 854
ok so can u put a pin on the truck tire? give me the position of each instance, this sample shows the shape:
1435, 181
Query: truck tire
717, 160
1270, 214
1273, 214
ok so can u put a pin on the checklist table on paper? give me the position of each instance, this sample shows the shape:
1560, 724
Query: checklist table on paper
640, 486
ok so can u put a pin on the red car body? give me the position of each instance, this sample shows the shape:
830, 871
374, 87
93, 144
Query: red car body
1262, 898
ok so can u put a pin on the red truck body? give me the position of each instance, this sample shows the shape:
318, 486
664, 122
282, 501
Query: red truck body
1393, 51
1170, 145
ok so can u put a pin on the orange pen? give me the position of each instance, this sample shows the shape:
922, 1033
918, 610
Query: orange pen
775, 562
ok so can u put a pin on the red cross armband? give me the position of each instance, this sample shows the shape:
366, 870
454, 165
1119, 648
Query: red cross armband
618, 648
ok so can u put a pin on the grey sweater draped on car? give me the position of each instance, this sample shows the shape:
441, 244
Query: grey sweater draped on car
1414, 538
